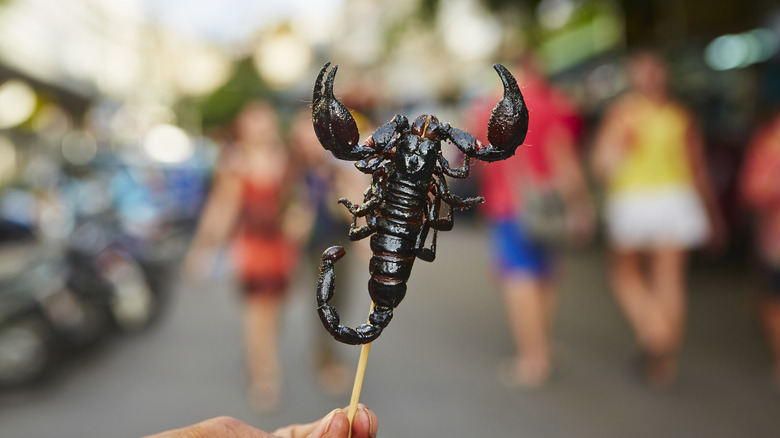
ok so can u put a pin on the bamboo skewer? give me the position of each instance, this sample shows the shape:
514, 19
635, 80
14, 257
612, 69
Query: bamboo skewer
358, 385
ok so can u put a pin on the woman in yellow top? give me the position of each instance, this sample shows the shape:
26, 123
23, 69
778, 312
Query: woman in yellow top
659, 204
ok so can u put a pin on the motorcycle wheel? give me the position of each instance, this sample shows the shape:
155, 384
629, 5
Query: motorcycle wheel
133, 303
24, 350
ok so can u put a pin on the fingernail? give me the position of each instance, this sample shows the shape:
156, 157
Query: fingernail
330, 418
370, 424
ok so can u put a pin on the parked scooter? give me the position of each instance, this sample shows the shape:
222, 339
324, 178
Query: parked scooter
41, 316
105, 270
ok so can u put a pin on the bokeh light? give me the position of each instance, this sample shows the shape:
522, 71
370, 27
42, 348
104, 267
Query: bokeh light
282, 59
7, 159
741, 50
554, 14
201, 70
167, 144
17, 103
51, 122
469, 32
79, 148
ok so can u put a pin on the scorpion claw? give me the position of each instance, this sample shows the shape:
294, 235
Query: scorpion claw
507, 127
318, 84
508, 122
334, 125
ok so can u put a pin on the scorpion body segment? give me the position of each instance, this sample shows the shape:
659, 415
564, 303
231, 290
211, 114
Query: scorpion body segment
404, 200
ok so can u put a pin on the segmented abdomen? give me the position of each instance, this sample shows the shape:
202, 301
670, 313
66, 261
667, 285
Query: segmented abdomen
399, 220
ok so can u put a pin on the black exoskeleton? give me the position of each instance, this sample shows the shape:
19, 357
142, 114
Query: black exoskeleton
403, 202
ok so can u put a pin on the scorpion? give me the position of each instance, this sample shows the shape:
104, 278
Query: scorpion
408, 185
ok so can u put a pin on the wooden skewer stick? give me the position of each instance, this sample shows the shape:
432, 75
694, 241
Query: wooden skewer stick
358, 385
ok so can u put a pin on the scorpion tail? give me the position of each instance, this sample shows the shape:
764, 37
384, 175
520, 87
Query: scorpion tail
326, 284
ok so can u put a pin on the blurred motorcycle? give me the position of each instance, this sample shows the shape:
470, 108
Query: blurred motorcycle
119, 244
104, 269
85, 251
41, 315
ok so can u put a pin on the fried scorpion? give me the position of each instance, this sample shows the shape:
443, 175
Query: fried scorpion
408, 186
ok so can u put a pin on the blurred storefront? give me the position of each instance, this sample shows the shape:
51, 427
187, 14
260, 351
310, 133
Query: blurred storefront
83, 78
122, 106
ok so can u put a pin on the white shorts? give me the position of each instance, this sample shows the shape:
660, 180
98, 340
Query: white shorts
654, 218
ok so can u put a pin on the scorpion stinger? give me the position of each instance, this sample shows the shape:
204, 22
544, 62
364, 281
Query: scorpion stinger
407, 167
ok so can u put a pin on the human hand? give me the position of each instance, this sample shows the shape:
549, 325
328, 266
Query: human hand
333, 425
580, 223
198, 264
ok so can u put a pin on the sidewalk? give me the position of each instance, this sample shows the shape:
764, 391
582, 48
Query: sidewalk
433, 371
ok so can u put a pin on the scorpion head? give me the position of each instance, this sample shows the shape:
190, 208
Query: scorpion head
426, 127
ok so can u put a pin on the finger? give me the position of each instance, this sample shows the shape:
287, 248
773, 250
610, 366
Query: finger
334, 425
364, 425
227, 427
307, 430
296, 430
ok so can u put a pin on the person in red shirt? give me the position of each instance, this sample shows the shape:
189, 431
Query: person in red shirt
525, 271
761, 193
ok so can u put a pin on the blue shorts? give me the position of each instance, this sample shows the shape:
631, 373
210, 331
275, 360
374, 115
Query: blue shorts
515, 253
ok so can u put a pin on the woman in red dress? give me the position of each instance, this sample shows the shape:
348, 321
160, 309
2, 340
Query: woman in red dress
248, 201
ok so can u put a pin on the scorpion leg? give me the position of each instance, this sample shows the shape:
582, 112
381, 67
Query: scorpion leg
326, 284
426, 254
441, 223
357, 233
456, 201
462, 172
431, 221
360, 210
370, 165
371, 198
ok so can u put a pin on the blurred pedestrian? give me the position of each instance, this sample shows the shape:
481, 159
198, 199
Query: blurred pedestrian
249, 202
659, 204
328, 223
761, 193
547, 169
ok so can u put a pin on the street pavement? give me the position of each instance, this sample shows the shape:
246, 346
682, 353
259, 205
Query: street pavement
433, 372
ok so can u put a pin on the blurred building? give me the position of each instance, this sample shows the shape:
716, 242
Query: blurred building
97, 74
116, 69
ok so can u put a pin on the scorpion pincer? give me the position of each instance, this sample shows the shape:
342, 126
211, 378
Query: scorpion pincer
408, 185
